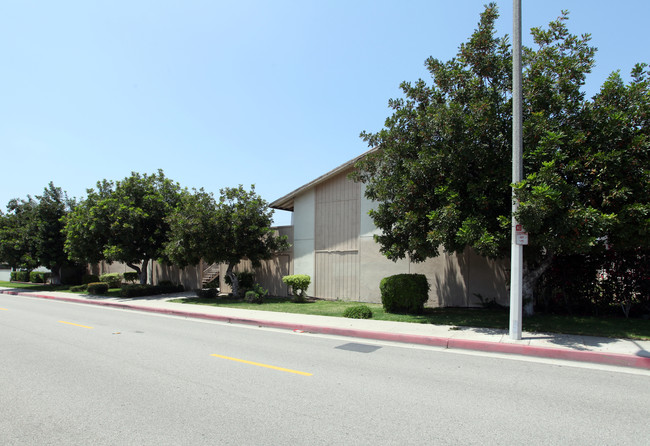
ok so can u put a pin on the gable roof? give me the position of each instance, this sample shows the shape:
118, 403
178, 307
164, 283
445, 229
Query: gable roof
286, 203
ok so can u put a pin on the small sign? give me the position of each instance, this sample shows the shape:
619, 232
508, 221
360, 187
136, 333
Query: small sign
519, 228
521, 238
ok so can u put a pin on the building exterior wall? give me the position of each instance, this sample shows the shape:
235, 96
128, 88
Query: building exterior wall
489, 278
5, 274
189, 277
337, 226
335, 245
270, 272
304, 217
447, 277
374, 266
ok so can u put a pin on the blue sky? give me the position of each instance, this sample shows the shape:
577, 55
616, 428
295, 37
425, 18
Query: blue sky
271, 93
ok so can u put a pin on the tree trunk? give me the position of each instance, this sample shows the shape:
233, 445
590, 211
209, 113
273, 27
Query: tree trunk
233, 279
142, 272
55, 278
528, 285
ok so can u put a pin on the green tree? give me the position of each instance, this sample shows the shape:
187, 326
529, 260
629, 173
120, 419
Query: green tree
124, 222
50, 212
31, 231
16, 235
236, 227
441, 171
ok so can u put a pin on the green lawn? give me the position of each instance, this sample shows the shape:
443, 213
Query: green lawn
613, 327
113, 292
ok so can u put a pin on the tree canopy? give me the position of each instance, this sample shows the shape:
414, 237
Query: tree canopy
17, 247
124, 221
236, 226
31, 231
441, 171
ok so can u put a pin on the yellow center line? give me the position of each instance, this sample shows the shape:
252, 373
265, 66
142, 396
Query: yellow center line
76, 325
4, 309
264, 365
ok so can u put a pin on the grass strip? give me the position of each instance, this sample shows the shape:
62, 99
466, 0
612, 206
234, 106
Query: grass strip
606, 326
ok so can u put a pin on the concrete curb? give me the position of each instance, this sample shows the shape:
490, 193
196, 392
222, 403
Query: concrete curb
616, 359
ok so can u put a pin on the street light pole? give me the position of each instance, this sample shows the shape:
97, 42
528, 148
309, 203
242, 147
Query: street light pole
517, 250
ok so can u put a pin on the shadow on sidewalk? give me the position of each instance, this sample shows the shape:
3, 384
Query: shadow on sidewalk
568, 341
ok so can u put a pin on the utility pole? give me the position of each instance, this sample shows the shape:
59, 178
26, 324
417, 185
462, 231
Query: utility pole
517, 250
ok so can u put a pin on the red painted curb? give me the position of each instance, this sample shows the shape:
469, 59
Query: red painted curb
616, 359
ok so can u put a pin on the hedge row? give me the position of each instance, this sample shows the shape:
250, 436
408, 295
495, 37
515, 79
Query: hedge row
139, 290
39, 277
19, 276
98, 288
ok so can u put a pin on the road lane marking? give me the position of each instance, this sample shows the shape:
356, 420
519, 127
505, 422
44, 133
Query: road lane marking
4, 309
76, 325
264, 365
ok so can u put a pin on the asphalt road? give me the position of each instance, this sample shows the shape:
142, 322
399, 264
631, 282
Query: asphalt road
85, 375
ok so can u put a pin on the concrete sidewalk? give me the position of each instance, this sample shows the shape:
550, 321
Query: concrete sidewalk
619, 352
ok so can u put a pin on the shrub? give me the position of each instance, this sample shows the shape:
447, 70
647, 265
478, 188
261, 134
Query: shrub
19, 276
256, 295
131, 276
358, 312
114, 280
167, 286
404, 293
246, 281
98, 288
207, 293
299, 284
489, 302
214, 283
89, 278
39, 277
252, 297
78, 288
138, 290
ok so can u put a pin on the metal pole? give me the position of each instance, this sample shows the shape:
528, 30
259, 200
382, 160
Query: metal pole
517, 251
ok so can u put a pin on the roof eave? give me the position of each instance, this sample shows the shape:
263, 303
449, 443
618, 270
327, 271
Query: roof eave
285, 203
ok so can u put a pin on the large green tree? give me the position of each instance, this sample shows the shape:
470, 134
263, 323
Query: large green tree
16, 237
52, 208
441, 171
124, 221
236, 227
31, 232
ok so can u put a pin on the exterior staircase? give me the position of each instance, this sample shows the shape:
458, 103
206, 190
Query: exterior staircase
210, 272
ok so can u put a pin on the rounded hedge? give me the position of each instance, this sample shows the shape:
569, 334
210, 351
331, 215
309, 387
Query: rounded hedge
206, 293
97, 288
358, 312
114, 280
404, 293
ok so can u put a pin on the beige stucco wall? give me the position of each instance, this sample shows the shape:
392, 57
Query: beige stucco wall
270, 272
189, 277
373, 267
454, 278
304, 215
447, 276
490, 278
107, 268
